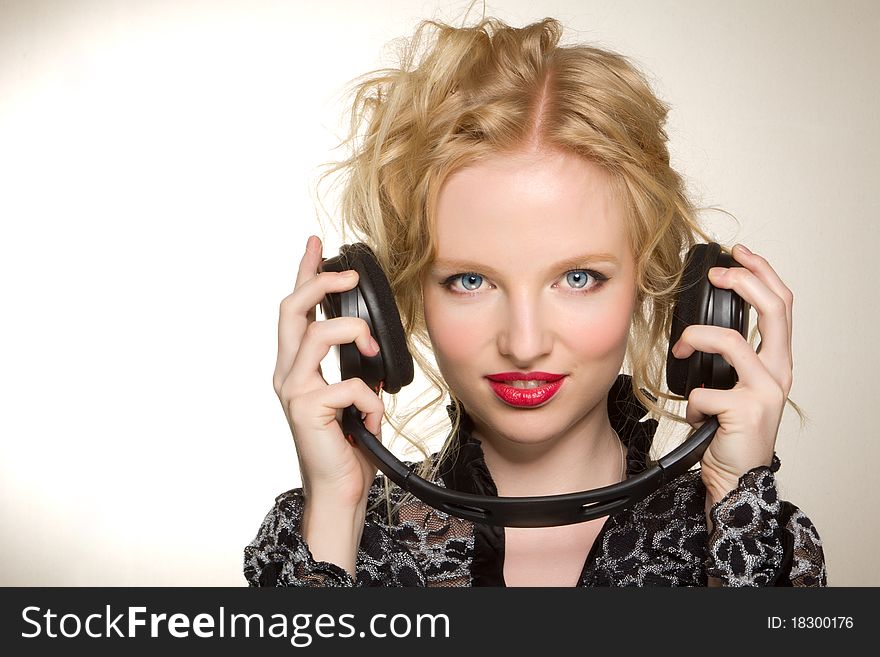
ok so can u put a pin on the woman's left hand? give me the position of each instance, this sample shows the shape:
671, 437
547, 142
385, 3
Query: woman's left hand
749, 413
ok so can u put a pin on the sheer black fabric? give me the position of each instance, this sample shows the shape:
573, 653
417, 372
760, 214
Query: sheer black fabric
757, 539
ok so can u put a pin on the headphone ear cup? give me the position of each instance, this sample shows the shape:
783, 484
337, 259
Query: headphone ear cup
700, 302
372, 301
688, 305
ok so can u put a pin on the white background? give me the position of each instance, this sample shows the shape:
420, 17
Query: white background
157, 162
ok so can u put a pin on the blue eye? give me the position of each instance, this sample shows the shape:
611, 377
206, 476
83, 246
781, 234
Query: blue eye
577, 278
470, 281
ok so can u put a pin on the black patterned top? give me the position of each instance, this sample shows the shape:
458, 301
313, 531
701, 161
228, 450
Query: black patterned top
757, 538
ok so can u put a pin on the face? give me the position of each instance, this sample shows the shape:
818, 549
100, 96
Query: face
533, 274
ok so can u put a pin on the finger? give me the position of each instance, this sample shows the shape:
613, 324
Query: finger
737, 414
705, 402
308, 265
731, 346
341, 395
772, 315
308, 268
693, 416
288, 323
762, 269
293, 318
316, 344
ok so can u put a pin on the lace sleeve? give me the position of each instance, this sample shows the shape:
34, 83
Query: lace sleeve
803, 561
759, 540
280, 556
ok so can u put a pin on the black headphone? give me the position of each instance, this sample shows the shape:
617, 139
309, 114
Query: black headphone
392, 368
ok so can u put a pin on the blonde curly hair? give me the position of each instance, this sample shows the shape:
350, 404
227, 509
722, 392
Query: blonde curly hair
461, 93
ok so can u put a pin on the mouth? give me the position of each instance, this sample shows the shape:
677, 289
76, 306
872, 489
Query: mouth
525, 389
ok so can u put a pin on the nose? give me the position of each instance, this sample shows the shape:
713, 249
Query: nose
524, 334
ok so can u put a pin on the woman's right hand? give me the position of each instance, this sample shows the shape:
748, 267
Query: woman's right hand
333, 470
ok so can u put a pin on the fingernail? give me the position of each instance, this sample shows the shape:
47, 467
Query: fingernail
744, 249
348, 273
374, 345
717, 272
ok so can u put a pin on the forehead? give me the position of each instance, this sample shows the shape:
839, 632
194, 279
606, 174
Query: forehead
536, 204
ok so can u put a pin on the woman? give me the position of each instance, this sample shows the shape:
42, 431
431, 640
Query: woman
520, 198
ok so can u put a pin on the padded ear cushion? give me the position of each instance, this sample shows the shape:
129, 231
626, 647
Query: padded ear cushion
700, 302
690, 308
385, 317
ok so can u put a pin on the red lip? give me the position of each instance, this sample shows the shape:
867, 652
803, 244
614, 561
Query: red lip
524, 376
522, 397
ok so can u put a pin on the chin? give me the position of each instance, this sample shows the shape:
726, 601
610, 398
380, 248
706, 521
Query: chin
526, 426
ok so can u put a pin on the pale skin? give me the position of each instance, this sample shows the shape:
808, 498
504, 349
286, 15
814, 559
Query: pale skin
528, 314
512, 219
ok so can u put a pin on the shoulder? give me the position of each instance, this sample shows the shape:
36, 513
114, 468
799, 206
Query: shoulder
290, 502
286, 511
685, 494
676, 510
659, 540
385, 494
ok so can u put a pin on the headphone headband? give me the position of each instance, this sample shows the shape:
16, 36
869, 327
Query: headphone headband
698, 303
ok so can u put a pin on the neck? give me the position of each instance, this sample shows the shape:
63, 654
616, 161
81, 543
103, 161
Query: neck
586, 456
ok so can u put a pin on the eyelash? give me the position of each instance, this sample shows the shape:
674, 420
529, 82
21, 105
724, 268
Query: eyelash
600, 280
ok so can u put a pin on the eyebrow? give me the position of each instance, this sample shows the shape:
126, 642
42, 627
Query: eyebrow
568, 263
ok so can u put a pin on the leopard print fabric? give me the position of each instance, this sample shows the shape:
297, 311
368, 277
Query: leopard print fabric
661, 541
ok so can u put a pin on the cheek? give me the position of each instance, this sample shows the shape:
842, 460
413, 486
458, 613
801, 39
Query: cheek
603, 331
455, 335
